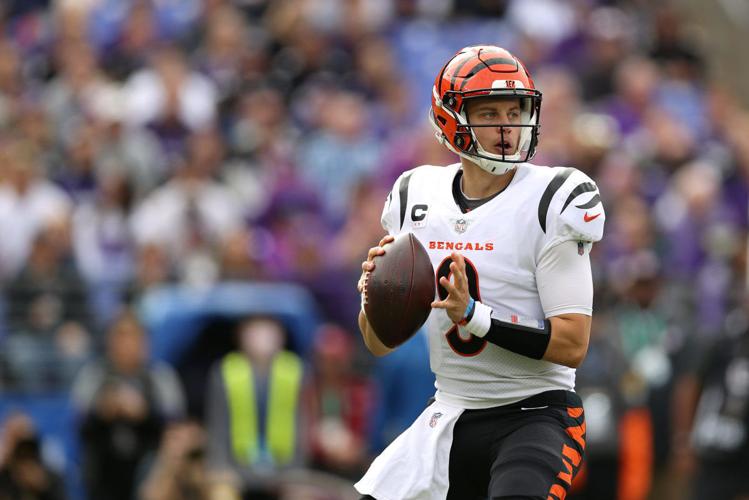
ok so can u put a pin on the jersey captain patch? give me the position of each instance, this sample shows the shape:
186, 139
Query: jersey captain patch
419, 214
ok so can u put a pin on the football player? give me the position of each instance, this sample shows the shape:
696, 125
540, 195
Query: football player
510, 244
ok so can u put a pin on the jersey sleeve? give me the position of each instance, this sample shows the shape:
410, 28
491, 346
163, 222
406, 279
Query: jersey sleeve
576, 212
395, 205
565, 281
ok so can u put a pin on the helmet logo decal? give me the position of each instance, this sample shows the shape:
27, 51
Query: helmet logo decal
507, 84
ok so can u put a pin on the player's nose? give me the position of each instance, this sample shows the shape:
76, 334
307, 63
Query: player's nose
504, 131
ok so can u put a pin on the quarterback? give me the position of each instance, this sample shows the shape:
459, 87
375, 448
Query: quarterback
510, 244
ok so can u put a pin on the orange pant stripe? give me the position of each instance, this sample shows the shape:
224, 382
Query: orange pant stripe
574, 412
566, 476
577, 432
572, 454
558, 492
571, 458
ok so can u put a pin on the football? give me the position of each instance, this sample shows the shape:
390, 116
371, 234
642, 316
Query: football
400, 290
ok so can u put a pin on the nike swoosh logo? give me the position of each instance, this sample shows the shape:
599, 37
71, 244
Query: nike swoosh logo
534, 407
588, 218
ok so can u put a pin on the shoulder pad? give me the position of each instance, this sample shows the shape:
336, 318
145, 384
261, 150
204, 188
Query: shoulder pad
394, 211
412, 185
573, 206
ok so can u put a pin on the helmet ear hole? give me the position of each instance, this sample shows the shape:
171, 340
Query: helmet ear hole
463, 141
442, 120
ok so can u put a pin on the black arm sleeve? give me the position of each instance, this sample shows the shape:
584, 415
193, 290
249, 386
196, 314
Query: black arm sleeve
520, 339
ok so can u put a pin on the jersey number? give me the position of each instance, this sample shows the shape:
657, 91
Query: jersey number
472, 345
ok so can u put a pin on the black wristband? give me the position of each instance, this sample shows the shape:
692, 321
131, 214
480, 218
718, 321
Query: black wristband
524, 340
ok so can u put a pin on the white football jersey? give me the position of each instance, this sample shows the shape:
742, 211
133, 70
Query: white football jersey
502, 241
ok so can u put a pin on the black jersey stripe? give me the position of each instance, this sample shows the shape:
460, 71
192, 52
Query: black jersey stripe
551, 189
585, 187
403, 196
592, 203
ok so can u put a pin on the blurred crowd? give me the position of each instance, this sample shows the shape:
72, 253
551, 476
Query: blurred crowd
146, 143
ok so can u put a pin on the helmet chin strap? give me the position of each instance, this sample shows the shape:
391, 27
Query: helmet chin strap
494, 167
491, 162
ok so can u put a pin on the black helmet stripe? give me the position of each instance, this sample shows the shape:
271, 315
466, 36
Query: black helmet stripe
457, 71
481, 64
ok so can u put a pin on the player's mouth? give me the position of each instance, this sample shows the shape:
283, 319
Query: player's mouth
504, 148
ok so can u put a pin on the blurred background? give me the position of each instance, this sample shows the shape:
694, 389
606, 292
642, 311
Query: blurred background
188, 188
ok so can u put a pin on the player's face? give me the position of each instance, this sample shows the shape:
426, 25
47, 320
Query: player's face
495, 111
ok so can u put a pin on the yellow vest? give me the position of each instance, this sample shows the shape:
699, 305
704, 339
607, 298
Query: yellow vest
280, 421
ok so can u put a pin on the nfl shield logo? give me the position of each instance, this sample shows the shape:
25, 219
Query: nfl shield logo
460, 226
433, 420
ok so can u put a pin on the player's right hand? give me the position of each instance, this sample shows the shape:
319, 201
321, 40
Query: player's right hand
368, 265
458, 295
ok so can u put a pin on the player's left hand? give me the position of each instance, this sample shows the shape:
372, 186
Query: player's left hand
458, 296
